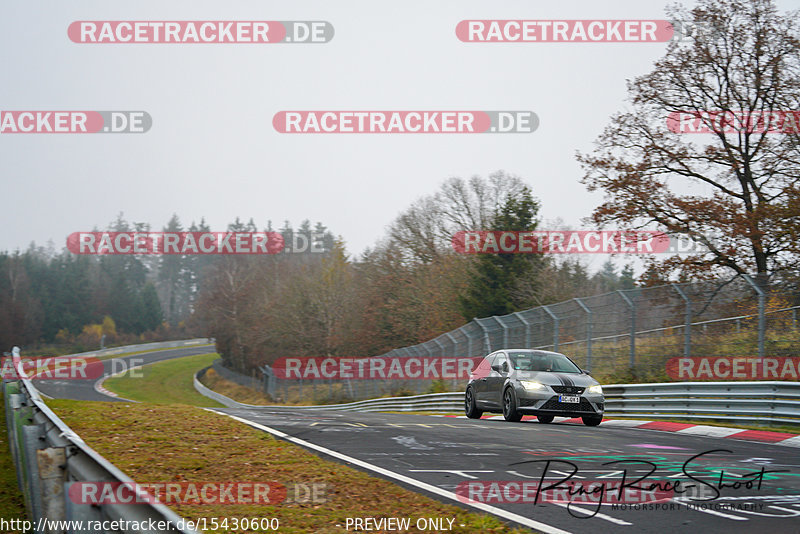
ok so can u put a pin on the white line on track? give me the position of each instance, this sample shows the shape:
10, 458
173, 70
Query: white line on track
548, 529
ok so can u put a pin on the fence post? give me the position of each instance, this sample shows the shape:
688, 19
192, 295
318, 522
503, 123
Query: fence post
762, 320
687, 329
455, 355
521, 318
555, 327
441, 353
588, 333
486, 341
505, 331
632, 306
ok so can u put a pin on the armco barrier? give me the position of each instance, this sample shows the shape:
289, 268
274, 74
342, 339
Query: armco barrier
50, 458
744, 402
126, 349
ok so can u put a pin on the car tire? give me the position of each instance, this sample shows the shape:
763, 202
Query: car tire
470, 408
510, 412
592, 420
545, 418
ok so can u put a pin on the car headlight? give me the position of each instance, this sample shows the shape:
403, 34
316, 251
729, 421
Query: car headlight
597, 390
533, 386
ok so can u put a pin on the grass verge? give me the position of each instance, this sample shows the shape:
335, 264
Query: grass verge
167, 382
165, 439
158, 443
215, 382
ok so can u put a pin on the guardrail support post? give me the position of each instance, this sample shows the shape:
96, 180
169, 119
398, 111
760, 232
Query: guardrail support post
52, 462
32, 438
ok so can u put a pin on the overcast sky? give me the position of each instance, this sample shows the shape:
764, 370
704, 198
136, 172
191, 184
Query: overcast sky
212, 151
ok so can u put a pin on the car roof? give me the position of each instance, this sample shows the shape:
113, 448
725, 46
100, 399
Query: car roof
532, 351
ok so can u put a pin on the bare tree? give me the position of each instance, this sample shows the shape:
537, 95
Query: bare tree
734, 193
424, 231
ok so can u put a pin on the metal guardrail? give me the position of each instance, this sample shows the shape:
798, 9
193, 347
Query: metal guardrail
432, 402
50, 458
126, 349
744, 402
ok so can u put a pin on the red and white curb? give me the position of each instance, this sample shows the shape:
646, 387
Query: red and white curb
763, 436
100, 388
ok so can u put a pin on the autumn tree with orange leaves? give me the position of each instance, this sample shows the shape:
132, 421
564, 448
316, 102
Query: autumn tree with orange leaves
735, 191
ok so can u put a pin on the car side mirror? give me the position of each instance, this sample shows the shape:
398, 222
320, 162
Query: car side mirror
586, 372
496, 367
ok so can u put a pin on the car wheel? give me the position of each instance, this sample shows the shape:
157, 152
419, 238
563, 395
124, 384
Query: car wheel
470, 408
510, 406
545, 418
592, 420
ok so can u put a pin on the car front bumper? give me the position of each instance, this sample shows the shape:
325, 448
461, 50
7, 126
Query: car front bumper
546, 402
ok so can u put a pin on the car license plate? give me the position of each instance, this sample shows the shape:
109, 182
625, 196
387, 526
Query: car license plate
567, 398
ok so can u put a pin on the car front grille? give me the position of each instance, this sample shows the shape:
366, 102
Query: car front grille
553, 404
573, 390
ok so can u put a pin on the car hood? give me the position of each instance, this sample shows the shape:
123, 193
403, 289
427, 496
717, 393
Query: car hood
558, 379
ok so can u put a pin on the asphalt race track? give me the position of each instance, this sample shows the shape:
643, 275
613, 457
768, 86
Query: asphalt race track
85, 389
437, 454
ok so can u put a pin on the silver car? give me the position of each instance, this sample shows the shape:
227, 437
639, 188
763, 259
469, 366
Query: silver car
546, 384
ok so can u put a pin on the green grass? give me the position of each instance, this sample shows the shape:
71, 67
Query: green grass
157, 443
168, 382
164, 439
12, 505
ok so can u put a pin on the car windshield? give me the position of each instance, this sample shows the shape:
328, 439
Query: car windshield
532, 361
